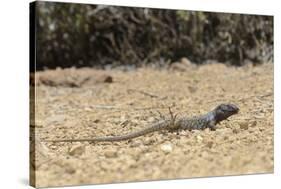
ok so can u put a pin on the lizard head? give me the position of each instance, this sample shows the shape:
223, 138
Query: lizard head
223, 111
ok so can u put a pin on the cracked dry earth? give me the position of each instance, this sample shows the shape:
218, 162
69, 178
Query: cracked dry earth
131, 100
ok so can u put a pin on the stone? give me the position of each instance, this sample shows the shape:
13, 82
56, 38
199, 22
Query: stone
77, 150
199, 138
104, 78
186, 61
148, 141
167, 148
178, 67
244, 125
253, 123
110, 153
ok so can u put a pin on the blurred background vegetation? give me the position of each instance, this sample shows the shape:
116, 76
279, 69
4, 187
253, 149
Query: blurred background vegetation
97, 35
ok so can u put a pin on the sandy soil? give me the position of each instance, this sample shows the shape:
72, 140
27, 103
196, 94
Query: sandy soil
129, 101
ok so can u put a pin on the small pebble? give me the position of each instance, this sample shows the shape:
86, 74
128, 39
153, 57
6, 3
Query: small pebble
135, 143
106, 79
148, 141
167, 148
259, 116
77, 150
253, 123
186, 61
184, 132
96, 121
53, 147
244, 125
199, 138
110, 153
178, 66
151, 119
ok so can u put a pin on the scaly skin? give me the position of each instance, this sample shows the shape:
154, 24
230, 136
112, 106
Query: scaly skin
209, 120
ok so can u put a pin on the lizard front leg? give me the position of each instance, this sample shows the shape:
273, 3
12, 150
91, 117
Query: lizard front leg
173, 123
212, 125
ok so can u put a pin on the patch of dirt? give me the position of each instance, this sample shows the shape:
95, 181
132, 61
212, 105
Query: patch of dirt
71, 77
241, 145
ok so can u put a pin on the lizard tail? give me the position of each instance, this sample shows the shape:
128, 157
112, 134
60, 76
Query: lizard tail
156, 127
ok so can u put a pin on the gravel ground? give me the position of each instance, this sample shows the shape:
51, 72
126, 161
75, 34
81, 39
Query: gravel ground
83, 103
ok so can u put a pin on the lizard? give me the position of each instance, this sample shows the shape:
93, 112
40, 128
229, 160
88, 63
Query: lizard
208, 120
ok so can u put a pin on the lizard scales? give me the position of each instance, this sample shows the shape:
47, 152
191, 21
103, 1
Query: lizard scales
208, 120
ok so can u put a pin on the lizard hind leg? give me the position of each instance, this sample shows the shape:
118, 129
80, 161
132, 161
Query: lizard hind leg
212, 126
173, 125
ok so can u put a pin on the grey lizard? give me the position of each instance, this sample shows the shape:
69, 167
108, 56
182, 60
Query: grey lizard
208, 120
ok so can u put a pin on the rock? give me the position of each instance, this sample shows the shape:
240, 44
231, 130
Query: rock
185, 61
199, 138
178, 66
96, 121
195, 132
210, 144
148, 141
151, 119
260, 116
167, 148
135, 143
77, 150
244, 125
110, 153
183, 65
54, 147
253, 123
184, 133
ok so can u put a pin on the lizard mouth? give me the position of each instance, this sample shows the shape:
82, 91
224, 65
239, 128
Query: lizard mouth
235, 109
228, 108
